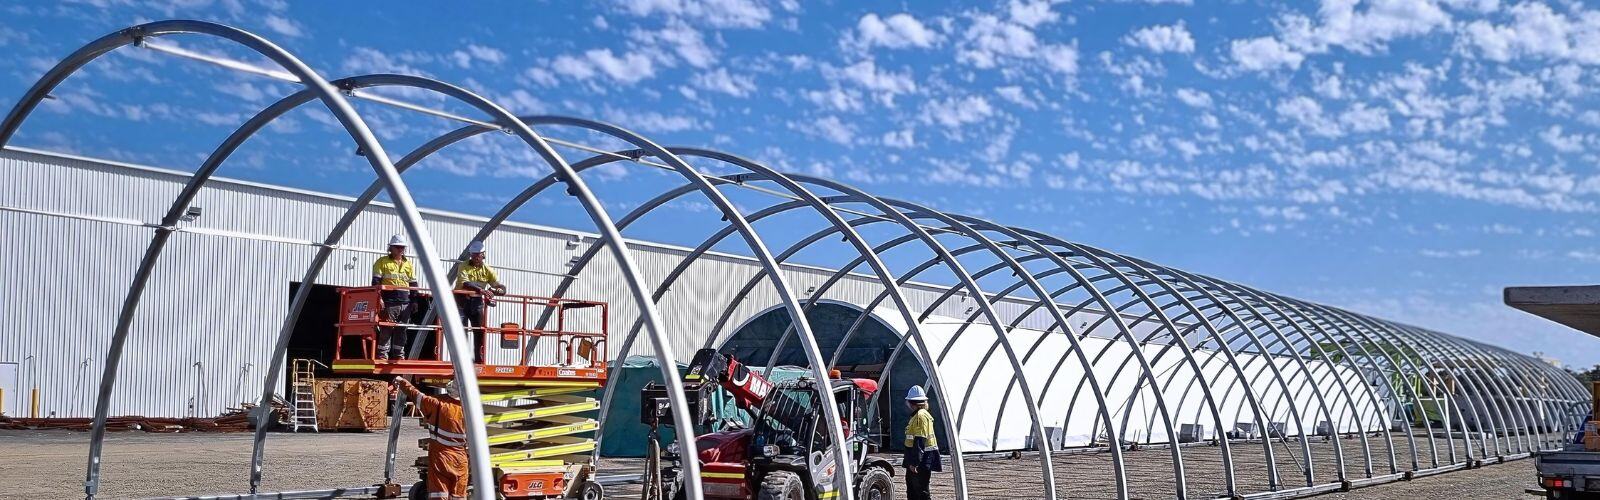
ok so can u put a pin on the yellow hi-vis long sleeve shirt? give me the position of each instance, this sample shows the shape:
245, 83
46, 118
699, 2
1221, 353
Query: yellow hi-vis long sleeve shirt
391, 272
921, 425
469, 273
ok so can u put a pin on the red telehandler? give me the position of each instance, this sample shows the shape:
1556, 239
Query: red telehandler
786, 454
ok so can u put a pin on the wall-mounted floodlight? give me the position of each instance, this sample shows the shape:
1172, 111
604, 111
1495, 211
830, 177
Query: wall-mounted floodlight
191, 214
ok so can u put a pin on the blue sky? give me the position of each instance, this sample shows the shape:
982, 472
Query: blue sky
1404, 158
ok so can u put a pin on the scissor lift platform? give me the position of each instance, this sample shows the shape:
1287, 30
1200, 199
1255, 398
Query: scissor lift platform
539, 386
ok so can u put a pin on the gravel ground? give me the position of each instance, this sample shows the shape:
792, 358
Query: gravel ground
1499, 481
49, 464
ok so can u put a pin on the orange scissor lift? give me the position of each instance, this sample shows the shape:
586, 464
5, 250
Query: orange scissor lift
537, 385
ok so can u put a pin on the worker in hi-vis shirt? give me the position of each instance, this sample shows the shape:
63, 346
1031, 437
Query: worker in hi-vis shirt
395, 270
922, 448
448, 474
477, 276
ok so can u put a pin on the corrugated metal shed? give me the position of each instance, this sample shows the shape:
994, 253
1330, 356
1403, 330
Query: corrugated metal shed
205, 327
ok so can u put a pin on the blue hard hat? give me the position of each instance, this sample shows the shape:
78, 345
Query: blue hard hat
916, 394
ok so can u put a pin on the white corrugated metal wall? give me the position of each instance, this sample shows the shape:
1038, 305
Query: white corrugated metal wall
208, 317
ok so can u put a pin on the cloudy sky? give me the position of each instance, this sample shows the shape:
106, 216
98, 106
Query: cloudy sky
1404, 158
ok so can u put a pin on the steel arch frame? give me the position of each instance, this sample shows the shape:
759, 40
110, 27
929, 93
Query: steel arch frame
322, 90
1515, 402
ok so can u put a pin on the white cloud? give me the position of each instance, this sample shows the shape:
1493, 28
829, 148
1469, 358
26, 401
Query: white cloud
1589, 256
464, 58
1565, 143
675, 38
990, 41
520, 102
835, 98
898, 31
1016, 95
722, 81
219, 119
10, 35
1430, 168
1060, 58
884, 85
1481, 6
957, 111
1537, 31
1339, 24
244, 90
715, 13
1360, 118
1186, 148
283, 26
651, 121
868, 76
1031, 13
1363, 31
1289, 213
900, 139
830, 128
1264, 54
1331, 87
1449, 254
1174, 38
1195, 98
1498, 228
1307, 113
370, 60
628, 68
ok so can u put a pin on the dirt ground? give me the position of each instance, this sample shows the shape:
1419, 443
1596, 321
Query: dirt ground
50, 464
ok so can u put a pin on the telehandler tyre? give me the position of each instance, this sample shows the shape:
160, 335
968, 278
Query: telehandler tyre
876, 485
782, 485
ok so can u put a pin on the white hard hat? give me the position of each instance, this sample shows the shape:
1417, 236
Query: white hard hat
916, 394
398, 240
451, 390
475, 247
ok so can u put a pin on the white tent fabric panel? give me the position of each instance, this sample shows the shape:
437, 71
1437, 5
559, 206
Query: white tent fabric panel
982, 384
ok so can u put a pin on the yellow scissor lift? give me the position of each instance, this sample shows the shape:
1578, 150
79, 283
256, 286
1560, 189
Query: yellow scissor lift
539, 412
541, 436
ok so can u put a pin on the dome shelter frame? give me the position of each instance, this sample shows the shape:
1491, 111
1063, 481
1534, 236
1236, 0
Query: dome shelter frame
1286, 365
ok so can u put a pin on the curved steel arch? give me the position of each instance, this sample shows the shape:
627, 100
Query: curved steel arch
1514, 400
947, 257
1410, 344
1316, 348
892, 286
1157, 312
360, 133
1408, 352
562, 173
1277, 376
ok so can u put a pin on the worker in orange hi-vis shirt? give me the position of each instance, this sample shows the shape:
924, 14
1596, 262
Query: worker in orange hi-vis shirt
447, 453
